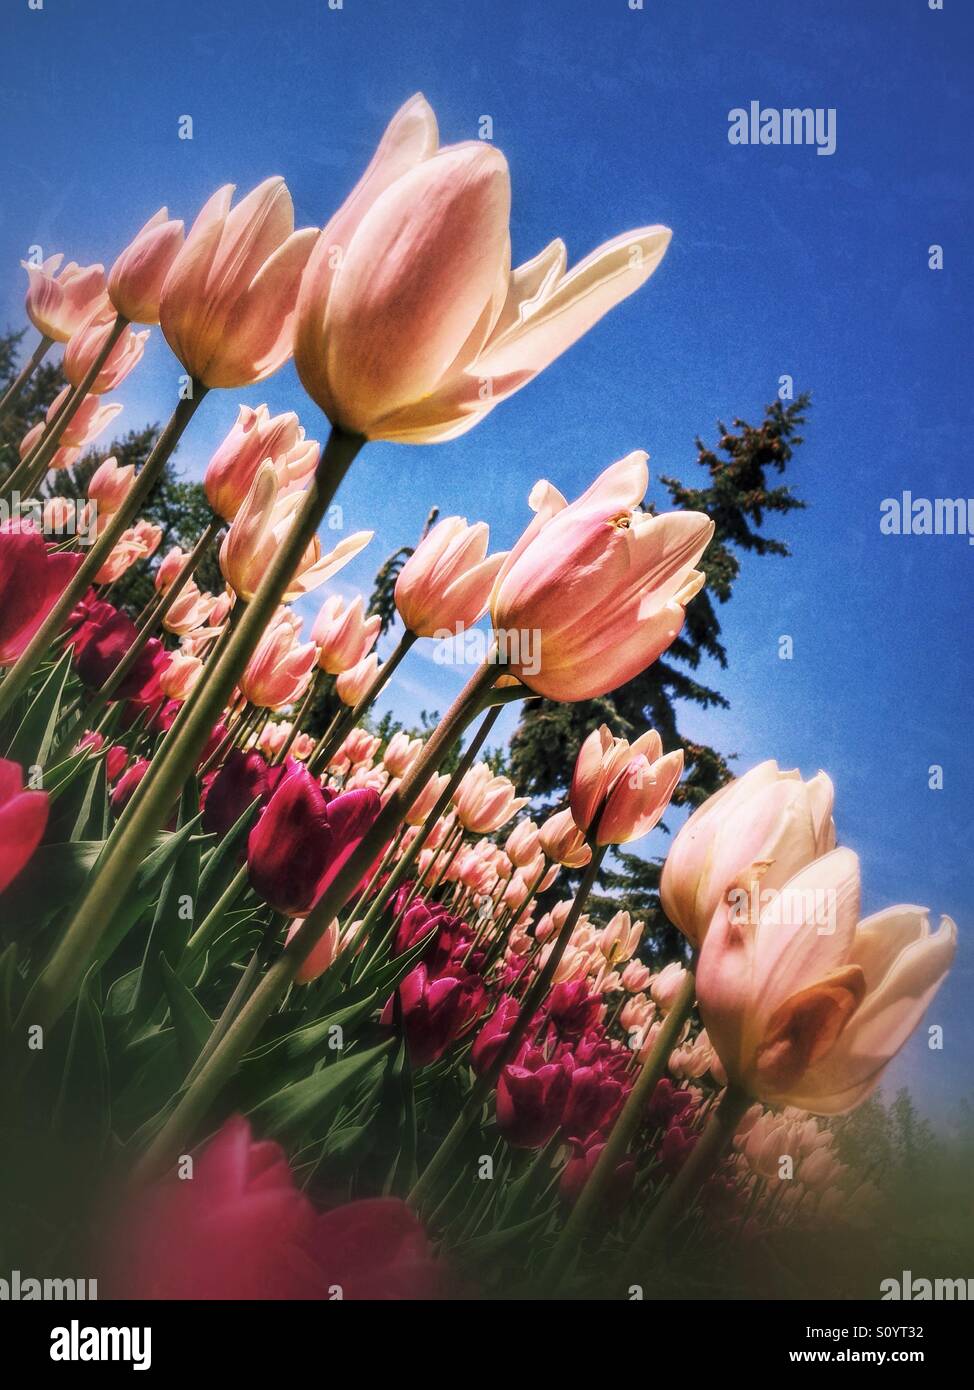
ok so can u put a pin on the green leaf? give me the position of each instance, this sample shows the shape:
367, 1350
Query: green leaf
32, 742
83, 1109
191, 1022
55, 876
315, 1100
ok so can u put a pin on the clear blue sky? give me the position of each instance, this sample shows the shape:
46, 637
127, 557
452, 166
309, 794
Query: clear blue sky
782, 261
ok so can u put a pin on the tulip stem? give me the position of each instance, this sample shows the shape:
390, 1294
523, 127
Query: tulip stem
19, 675
703, 1159
299, 717
533, 997
237, 998
617, 1145
200, 939
35, 465
25, 374
196, 1101
178, 757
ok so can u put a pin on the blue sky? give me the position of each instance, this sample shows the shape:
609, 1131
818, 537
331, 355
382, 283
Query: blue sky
782, 261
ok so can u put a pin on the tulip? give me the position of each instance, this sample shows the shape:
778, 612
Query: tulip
125, 786
344, 635
665, 987
109, 485
227, 304
562, 841
190, 610
62, 458
358, 746
757, 830
619, 938
401, 752
179, 679
435, 1012
602, 585
355, 683
594, 1099
58, 301
579, 1169
32, 579
638, 798
243, 779
90, 420
100, 643
636, 976
484, 802
427, 799
242, 1229
411, 324
522, 844
445, 584
168, 569
531, 1097
136, 279
806, 1015
23, 820
58, 516
261, 527
88, 342
256, 438
280, 669
494, 1034
572, 1009
303, 838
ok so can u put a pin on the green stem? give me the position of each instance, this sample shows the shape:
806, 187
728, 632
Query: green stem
236, 1000
204, 933
706, 1154
486, 1082
178, 757
19, 675
197, 1099
35, 465
25, 374
631, 1117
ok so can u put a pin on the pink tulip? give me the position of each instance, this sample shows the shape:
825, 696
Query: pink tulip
752, 834
638, 798
89, 340
806, 1007
227, 305
619, 938
258, 531
358, 746
344, 635
258, 437
280, 669
110, 484
427, 799
666, 986
90, 420
562, 841
401, 752
168, 569
484, 802
601, 586
23, 819
601, 762
190, 610
411, 324
136, 279
353, 685
179, 679
445, 584
522, 844
58, 302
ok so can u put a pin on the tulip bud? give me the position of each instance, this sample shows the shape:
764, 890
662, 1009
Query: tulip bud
444, 585
136, 279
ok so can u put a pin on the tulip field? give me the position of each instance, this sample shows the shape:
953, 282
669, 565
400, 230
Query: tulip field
303, 1009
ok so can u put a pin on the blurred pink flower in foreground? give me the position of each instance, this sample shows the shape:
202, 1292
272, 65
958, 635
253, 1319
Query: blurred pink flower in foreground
240, 1229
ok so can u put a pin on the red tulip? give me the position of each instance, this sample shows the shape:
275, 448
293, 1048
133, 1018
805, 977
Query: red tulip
303, 838
531, 1097
23, 818
435, 1011
578, 1169
243, 779
31, 580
